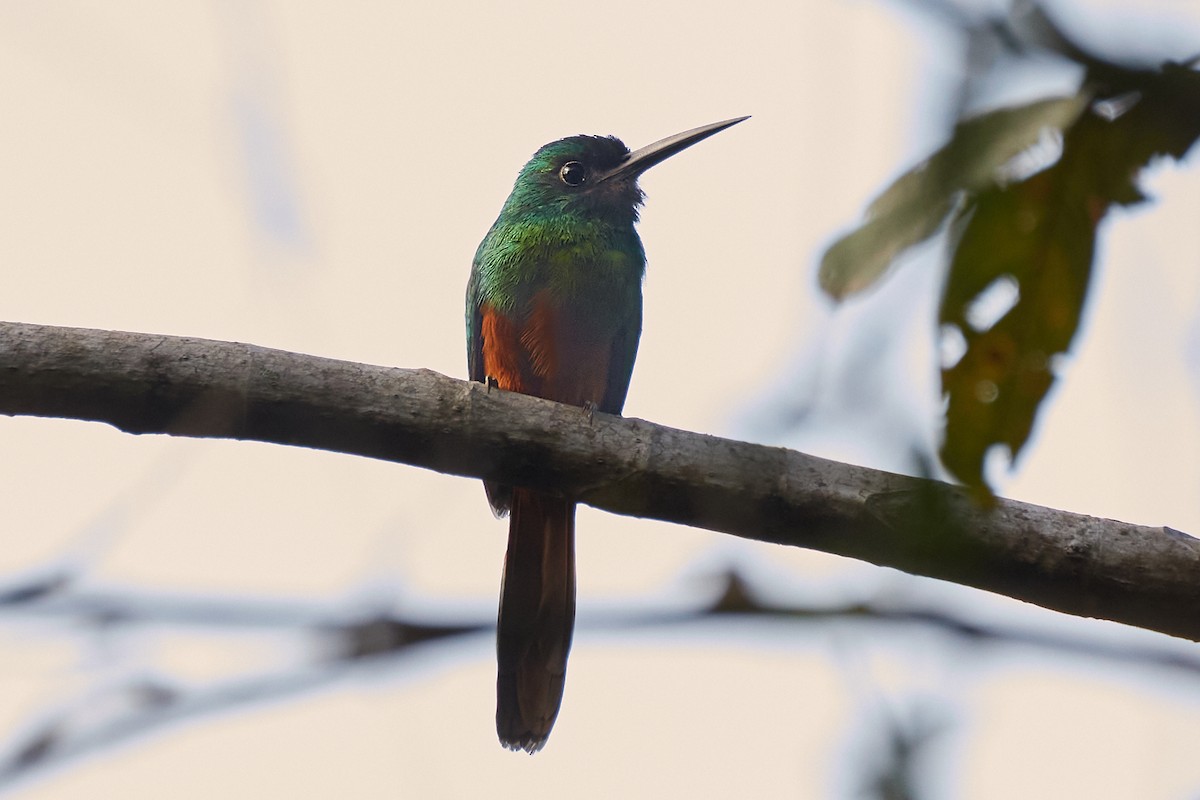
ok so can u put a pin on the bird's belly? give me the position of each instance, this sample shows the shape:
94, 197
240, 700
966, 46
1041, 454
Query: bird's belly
556, 351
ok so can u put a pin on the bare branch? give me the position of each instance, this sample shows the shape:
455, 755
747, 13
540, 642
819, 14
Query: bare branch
144, 383
336, 640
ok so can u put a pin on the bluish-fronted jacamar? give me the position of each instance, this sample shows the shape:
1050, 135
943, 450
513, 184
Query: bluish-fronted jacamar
554, 309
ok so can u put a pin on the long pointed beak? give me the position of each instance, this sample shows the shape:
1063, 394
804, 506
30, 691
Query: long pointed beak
641, 160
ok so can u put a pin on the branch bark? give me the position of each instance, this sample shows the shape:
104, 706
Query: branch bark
144, 383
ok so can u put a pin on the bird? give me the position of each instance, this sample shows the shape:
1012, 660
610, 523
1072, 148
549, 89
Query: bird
554, 310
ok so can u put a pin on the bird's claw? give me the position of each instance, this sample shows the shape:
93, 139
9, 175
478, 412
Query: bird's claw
589, 408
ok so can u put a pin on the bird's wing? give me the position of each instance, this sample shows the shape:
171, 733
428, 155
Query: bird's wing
474, 326
620, 362
499, 495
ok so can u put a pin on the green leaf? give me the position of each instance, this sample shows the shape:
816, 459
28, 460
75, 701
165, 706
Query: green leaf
916, 205
1041, 233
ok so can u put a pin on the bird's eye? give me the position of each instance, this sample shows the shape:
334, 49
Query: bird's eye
573, 173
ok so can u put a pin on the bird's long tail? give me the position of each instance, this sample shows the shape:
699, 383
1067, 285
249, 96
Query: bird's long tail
537, 616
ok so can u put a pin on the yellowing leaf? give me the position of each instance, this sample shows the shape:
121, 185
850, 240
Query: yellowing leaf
916, 204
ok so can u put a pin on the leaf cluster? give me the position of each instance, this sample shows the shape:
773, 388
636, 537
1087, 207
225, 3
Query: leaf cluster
1020, 192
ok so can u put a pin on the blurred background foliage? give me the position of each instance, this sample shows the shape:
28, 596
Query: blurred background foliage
1020, 193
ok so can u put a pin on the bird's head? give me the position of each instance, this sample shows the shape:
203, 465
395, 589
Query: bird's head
575, 175
595, 175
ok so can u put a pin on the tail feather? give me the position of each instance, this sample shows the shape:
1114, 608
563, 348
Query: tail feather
537, 617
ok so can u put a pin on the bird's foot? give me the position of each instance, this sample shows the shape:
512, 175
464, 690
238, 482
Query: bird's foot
589, 408
489, 382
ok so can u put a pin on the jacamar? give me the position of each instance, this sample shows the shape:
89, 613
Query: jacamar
554, 309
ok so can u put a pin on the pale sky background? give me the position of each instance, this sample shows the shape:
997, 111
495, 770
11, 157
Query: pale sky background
316, 177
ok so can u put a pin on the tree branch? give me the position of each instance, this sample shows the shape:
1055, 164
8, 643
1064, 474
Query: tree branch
142, 383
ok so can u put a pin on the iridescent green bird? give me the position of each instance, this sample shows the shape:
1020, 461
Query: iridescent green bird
554, 309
